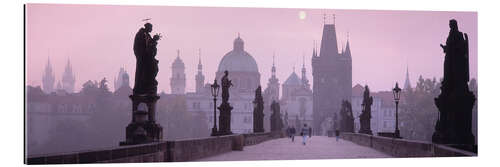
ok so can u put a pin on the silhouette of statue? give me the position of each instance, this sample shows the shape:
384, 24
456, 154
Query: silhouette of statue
365, 116
226, 83
456, 61
347, 119
225, 108
276, 122
455, 103
143, 127
258, 111
146, 64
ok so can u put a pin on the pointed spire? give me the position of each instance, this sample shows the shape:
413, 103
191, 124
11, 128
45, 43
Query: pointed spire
273, 69
199, 60
407, 85
178, 53
347, 47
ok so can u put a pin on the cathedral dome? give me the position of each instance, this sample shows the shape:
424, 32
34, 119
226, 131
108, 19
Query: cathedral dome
238, 59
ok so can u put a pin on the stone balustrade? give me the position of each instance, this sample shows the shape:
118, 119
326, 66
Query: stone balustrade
404, 148
164, 151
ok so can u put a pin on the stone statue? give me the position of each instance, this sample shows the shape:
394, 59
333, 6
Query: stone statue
276, 123
455, 103
143, 127
225, 83
225, 108
364, 118
347, 119
146, 64
258, 111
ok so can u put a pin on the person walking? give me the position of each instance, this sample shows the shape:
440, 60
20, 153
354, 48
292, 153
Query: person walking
310, 132
292, 132
288, 133
337, 133
304, 133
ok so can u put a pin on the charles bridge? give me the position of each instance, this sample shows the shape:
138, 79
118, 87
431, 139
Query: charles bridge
256, 146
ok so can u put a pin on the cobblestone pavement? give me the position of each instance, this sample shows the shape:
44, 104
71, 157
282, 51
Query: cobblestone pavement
317, 147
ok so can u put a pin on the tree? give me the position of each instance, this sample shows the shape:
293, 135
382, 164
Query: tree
418, 112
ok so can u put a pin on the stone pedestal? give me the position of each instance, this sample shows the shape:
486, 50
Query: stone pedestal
225, 119
143, 128
454, 126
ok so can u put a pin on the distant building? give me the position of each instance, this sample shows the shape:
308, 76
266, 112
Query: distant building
122, 79
245, 77
271, 93
297, 98
178, 79
48, 79
68, 79
332, 75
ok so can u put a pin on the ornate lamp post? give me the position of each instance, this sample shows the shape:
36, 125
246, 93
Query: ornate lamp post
215, 92
397, 94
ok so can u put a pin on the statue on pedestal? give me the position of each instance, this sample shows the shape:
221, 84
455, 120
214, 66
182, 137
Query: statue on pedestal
258, 111
455, 103
364, 118
143, 128
276, 122
225, 108
347, 119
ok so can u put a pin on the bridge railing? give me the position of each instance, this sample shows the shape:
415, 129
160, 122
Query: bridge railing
403, 147
163, 151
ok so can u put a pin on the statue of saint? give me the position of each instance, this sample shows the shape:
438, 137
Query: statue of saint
225, 84
456, 61
146, 64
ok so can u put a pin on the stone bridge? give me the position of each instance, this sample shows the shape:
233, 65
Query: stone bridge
256, 146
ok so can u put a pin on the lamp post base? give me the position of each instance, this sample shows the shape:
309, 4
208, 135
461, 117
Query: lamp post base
396, 134
214, 132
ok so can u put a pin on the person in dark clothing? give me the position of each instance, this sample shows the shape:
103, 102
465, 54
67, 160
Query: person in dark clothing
292, 132
337, 133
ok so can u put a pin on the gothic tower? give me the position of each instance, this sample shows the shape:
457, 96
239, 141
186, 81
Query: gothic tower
271, 93
178, 79
332, 79
200, 78
48, 78
305, 81
68, 79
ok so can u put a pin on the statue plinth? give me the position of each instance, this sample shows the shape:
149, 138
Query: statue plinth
225, 119
143, 128
454, 126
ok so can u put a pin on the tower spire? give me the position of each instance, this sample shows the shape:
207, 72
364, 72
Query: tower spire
273, 69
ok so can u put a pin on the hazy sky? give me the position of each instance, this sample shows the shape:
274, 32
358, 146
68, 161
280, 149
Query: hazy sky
98, 40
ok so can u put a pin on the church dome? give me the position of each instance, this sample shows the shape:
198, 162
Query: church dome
238, 59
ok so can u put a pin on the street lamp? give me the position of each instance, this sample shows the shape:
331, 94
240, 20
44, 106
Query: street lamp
397, 96
215, 92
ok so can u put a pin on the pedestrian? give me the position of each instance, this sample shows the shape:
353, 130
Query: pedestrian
292, 131
310, 132
337, 133
288, 133
304, 133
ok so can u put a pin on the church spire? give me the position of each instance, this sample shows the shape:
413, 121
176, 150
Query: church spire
200, 78
347, 47
68, 78
200, 67
273, 69
407, 80
48, 78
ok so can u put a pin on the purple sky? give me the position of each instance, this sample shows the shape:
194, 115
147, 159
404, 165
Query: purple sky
98, 39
